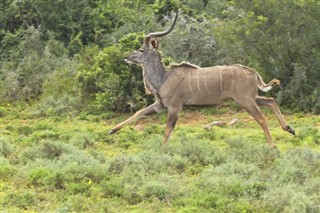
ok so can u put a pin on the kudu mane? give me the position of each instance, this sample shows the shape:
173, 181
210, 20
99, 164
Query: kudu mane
184, 64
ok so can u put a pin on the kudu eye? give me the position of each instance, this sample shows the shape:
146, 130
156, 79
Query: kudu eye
141, 50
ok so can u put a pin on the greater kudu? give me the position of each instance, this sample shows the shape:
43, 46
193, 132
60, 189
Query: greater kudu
187, 84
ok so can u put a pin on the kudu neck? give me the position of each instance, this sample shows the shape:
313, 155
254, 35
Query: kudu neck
155, 73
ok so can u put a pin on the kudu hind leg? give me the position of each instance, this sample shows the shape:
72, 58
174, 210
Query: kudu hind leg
152, 109
271, 103
255, 112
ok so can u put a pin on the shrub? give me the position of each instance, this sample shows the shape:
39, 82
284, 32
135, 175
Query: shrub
48, 149
83, 140
155, 189
199, 152
25, 130
106, 81
5, 147
309, 134
79, 188
294, 186
297, 166
57, 180
80, 203
247, 151
290, 198
28, 65
39, 175
6, 169
57, 106
20, 199
114, 187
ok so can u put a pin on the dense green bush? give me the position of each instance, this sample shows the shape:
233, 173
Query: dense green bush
107, 81
28, 65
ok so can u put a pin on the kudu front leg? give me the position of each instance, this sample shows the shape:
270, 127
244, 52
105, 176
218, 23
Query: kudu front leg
171, 122
152, 109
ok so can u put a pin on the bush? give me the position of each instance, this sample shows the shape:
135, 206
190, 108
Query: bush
57, 106
291, 198
21, 199
83, 140
27, 66
5, 147
198, 153
246, 151
106, 81
48, 149
296, 166
163, 189
294, 186
6, 169
39, 175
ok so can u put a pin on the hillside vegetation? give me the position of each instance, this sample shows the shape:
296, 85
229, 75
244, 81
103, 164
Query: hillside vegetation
65, 56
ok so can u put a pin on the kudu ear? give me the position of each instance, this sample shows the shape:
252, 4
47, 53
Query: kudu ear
154, 43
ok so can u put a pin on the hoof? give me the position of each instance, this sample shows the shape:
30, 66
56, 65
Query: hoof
290, 130
112, 131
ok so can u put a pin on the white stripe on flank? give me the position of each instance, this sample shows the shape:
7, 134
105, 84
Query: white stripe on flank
198, 83
232, 82
190, 86
221, 80
205, 81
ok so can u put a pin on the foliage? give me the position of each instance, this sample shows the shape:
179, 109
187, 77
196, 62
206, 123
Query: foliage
277, 44
62, 75
23, 73
106, 80
69, 164
81, 50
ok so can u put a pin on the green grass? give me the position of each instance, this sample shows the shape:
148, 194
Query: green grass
71, 164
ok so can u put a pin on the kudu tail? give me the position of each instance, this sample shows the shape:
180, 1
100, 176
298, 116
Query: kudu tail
266, 87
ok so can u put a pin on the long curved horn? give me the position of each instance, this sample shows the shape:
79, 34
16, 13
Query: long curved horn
160, 34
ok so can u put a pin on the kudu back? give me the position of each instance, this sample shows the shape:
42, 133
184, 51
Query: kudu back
187, 84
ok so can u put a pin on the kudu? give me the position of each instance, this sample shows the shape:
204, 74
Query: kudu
189, 85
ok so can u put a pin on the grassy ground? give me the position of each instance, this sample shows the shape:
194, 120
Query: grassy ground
71, 164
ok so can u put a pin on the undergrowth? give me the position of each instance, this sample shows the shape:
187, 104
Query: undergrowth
72, 165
